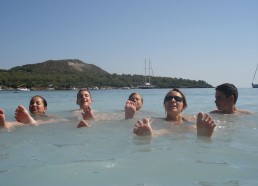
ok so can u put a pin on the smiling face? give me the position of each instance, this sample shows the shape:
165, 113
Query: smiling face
137, 99
84, 99
174, 103
37, 105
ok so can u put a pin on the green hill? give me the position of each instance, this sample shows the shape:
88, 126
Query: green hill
63, 74
70, 66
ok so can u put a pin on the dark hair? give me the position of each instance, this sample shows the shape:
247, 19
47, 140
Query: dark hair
228, 89
84, 89
180, 92
134, 93
43, 99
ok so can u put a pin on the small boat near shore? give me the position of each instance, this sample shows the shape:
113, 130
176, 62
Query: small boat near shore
23, 89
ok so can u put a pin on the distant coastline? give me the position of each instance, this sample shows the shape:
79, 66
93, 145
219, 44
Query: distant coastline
69, 74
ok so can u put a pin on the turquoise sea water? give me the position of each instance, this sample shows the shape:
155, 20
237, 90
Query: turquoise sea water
108, 153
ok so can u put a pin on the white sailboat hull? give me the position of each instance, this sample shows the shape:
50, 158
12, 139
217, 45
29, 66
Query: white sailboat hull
146, 86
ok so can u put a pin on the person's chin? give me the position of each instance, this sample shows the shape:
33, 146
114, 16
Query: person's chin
218, 107
33, 112
85, 106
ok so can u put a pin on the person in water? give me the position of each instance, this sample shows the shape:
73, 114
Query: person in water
84, 101
133, 104
175, 103
36, 114
225, 99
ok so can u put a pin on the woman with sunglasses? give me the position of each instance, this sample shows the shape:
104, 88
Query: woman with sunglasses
175, 103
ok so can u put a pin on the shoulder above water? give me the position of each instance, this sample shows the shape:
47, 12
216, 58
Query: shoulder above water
238, 111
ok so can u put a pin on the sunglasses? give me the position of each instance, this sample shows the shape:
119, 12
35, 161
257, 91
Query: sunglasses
176, 98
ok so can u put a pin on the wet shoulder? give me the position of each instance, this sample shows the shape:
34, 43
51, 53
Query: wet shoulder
215, 112
239, 111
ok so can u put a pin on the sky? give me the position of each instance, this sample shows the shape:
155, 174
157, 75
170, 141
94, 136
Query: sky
211, 40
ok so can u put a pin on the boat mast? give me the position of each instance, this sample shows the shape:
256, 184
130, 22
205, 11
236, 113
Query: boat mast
255, 73
145, 72
149, 71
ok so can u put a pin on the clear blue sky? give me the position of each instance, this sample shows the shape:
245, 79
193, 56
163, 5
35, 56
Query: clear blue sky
211, 40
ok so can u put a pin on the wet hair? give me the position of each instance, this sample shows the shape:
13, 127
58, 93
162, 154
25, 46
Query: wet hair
180, 92
84, 89
228, 89
133, 94
43, 99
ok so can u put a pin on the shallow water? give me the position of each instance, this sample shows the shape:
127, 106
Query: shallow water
108, 153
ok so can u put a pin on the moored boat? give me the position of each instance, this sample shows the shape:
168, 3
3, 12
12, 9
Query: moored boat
255, 85
23, 89
147, 85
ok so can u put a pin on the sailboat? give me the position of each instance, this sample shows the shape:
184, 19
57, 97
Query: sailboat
147, 84
255, 85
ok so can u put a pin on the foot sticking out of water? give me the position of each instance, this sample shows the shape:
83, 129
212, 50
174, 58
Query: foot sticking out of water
130, 109
143, 128
205, 125
2, 118
23, 116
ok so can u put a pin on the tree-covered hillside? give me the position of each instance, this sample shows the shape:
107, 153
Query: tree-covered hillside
75, 73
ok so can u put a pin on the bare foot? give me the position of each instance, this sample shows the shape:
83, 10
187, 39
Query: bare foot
205, 125
87, 113
2, 118
83, 123
23, 116
143, 128
130, 109
3, 123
